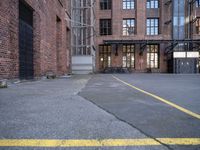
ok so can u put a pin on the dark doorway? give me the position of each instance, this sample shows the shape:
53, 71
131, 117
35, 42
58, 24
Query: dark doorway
58, 44
26, 70
170, 64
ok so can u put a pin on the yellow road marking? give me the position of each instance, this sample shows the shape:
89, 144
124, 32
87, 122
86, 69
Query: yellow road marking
161, 99
180, 141
97, 143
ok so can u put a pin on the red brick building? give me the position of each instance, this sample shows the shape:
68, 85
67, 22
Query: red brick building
142, 35
130, 36
34, 38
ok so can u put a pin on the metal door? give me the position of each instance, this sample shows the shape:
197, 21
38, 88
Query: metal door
186, 65
25, 42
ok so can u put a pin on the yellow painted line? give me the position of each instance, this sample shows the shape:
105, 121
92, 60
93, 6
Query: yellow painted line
97, 143
180, 141
161, 99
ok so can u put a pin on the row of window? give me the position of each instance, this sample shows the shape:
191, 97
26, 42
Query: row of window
128, 28
127, 4
130, 4
128, 59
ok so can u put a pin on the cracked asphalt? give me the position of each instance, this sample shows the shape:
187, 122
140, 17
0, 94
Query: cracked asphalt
98, 107
151, 117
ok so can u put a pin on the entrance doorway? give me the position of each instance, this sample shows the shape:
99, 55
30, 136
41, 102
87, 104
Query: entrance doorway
186, 65
105, 57
26, 70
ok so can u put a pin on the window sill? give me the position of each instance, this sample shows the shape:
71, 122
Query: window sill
129, 9
105, 35
152, 8
153, 35
129, 35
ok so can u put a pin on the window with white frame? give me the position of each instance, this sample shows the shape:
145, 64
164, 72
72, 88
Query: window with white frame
152, 4
128, 4
152, 26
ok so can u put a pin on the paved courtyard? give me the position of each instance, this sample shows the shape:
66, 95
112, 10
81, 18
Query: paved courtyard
102, 112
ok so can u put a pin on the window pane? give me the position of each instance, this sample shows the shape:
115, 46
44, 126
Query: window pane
105, 4
152, 26
128, 26
128, 56
152, 4
152, 56
124, 61
128, 4
105, 27
105, 56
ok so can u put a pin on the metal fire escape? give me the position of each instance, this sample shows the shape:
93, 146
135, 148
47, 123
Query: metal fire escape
182, 41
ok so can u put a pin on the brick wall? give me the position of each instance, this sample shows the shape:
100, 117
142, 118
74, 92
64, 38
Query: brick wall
47, 56
140, 13
8, 39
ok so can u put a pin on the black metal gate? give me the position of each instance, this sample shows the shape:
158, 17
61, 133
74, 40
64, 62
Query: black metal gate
186, 65
25, 42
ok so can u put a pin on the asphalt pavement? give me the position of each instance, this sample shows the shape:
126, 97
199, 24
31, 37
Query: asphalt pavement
145, 113
102, 112
52, 109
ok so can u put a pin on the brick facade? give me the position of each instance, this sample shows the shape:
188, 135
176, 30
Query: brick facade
51, 42
52, 39
140, 13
